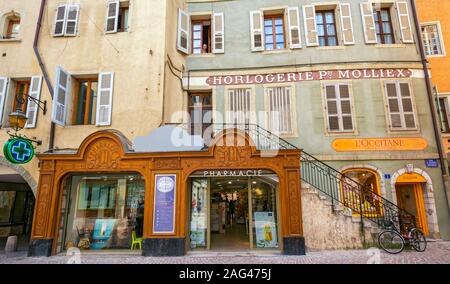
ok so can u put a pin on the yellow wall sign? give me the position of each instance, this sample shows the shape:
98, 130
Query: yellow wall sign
411, 178
379, 144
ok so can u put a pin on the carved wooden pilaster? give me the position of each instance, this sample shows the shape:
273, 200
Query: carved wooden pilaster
294, 202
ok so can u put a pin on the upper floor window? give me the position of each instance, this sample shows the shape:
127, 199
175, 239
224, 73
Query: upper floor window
85, 99
380, 26
444, 113
274, 32
20, 100
400, 107
383, 26
339, 108
432, 39
200, 33
66, 20
280, 110
11, 26
326, 28
117, 19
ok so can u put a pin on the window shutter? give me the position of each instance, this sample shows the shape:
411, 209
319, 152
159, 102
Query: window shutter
72, 20
238, 111
60, 97
33, 107
400, 106
219, 33
346, 23
183, 31
309, 17
370, 34
60, 20
405, 22
112, 17
294, 28
338, 108
104, 100
346, 108
3, 91
332, 108
280, 114
256, 30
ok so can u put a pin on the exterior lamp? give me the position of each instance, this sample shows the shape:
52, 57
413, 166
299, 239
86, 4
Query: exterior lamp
17, 120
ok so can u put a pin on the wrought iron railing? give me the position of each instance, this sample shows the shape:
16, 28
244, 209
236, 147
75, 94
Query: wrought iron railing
361, 199
339, 188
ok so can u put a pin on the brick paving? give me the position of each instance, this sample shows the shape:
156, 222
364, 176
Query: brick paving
437, 252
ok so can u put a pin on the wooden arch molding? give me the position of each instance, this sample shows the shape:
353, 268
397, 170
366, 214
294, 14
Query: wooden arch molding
111, 152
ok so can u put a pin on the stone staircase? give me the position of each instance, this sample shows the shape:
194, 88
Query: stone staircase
329, 225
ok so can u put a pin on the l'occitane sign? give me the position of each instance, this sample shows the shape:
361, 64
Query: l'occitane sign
379, 144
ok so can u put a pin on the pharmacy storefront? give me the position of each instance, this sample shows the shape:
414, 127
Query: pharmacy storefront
229, 196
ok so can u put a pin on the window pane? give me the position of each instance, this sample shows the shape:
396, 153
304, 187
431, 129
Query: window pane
345, 107
409, 121
268, 30
332, 41
393, 105
320, 30
387, 28
331, 30
396, 121
332, 107
319, 18
269, 39
279, 21
347, 122
384, 15
329, 17
280, 39
407, 105
333, 122
388, 39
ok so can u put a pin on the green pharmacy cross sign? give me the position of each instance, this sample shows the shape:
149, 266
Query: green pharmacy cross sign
18, 150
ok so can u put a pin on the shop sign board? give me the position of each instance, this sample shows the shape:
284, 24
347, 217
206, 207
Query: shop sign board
379, 144
18, 150
164, 205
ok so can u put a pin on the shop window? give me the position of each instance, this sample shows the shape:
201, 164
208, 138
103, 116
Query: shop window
11, 26
274, 32
105, 211
326, 28
280, 110
117, 16
366, 196
432, 39
339, 108
16, 208
400, 107
85, 101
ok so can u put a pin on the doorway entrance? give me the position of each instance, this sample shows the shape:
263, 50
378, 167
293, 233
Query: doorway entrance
410, 198
234, 214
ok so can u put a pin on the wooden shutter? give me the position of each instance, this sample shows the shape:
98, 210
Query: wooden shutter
309, 17
405, 22
112, 17
294, 28
338, 107
400, 106
104, 100
72, 20
60, 20
218, 33
3, 92
239, 109
280, 109
60, 97
346, 23
370, 34
33, 107
183, 40
257, 30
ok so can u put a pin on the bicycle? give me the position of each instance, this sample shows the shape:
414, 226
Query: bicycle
392, 241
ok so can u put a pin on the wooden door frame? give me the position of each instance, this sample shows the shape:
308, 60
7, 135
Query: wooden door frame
419, 202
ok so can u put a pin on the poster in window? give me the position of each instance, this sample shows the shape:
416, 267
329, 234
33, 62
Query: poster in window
164, 208
266, 230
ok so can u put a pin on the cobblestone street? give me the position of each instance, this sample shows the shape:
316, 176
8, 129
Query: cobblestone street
436, 253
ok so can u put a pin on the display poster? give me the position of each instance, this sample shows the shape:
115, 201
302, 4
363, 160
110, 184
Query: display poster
164, 208
266, 230
103, 230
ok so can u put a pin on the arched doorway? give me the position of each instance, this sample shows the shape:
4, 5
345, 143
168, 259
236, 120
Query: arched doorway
409, 188
16, 207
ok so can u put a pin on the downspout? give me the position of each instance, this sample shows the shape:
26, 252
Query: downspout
431, 101
44, 71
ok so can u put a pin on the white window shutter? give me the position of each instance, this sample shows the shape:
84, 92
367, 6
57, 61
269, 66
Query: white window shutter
405, 22
105, 97
309, 17
112, 17
218, 39
73, 12
3, 92
294, 28
184, 35
60, 20
346, 23
257, 30
33, 107
59, 107
370, 34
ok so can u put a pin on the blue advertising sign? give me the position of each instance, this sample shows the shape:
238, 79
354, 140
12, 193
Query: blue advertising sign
164, 207
432, 163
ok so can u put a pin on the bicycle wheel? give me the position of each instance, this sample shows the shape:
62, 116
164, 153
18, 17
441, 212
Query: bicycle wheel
391, 241
417, 240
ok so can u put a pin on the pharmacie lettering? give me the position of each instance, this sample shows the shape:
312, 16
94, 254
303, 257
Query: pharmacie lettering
232, 173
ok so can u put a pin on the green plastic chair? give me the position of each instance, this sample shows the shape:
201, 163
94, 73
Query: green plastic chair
135, 241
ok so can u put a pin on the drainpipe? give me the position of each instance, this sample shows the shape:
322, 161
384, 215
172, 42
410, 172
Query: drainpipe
431, 101
44, 71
